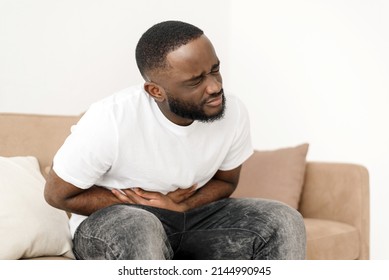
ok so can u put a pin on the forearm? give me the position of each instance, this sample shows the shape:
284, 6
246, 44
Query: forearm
220, 186
212, 191
65, 196
90, 201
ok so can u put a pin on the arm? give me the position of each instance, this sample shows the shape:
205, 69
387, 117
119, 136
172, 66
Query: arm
220, 186
63, 195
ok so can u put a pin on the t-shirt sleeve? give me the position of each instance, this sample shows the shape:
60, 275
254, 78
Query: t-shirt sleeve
241, 148
89, 150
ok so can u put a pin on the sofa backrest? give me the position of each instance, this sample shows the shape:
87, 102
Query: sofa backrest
34, 135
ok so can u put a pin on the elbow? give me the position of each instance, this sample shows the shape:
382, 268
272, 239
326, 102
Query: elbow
53, 192
52, 198
49, 197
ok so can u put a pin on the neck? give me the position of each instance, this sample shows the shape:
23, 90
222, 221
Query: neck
163, 106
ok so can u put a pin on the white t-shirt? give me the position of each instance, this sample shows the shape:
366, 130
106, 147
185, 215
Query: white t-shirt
125, 141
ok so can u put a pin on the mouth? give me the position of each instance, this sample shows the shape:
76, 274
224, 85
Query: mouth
216, 101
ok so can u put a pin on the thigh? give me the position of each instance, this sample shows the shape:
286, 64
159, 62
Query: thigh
121, 232
233, 213
237, 229
224, 229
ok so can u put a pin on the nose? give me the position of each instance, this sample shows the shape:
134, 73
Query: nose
214, 84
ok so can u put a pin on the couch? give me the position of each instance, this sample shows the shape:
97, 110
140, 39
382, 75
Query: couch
333, 198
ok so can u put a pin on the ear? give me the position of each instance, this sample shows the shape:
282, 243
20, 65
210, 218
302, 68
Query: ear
156, 91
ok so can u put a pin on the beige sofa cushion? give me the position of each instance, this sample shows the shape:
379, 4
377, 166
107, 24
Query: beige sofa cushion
34, 135
29, 226
277, 174
330, 240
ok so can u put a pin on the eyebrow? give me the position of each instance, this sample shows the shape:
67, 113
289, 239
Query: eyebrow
194, 78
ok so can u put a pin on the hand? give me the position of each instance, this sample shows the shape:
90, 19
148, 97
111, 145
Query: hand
179, 195
172, 201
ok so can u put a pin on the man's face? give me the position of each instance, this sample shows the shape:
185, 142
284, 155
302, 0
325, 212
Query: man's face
196, 111
192, 84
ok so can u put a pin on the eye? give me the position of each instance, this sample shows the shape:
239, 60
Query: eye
216, 70
196, 82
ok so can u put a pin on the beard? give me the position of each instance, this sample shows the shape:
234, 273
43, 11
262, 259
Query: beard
196, 111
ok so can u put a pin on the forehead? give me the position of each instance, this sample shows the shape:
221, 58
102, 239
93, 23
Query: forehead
192, 59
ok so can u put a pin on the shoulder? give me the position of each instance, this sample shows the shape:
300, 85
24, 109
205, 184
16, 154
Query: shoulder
131, 95
124, 102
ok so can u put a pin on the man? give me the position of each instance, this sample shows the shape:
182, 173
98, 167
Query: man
148, 171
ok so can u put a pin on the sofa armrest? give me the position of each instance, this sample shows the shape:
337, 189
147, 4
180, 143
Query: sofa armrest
338, 192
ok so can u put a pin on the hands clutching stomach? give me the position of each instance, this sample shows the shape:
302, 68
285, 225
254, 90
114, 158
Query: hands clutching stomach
174, 201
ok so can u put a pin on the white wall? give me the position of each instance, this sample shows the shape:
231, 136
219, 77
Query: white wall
318, 72
309, 71
59, 56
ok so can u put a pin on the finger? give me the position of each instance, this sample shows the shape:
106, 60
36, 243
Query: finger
186, 196
139, 196
146, 194
121, 196
193, 188
182, 191
128, 196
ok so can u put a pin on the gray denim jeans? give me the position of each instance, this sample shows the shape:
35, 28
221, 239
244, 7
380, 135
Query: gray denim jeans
228, 229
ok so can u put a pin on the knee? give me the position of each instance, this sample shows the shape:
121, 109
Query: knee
289, 232
283, 231
285, 218
273, 214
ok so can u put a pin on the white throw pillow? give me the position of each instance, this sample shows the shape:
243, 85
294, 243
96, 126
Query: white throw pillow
29, 227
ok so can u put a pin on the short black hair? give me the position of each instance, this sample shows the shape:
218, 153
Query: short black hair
161, 39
